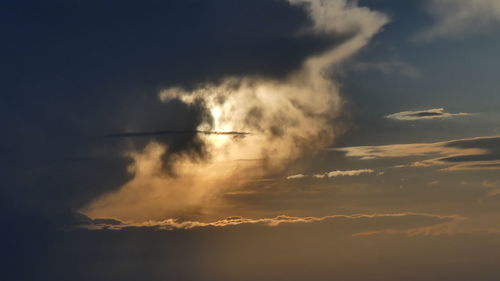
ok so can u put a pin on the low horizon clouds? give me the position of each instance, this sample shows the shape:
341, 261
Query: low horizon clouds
423, 221
387, 67
332, 174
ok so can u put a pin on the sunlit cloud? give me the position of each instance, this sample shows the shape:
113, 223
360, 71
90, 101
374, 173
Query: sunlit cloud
332, 174
285, 117
350, 173
408, 220
434, 113
480, 153
297, 176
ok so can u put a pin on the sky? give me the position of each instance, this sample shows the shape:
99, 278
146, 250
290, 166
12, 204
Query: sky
250, 140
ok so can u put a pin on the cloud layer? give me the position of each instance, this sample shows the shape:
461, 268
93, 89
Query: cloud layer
480, 153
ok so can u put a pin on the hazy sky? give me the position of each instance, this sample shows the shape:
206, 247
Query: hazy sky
250, 140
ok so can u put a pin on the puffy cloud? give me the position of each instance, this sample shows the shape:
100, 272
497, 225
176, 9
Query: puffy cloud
458, 17
434, 113
481, 153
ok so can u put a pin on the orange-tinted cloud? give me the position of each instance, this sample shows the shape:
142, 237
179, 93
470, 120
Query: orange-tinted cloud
481, 153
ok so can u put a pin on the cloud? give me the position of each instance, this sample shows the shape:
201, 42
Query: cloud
288, 116
84, 69
92, 68
481, 153
298, 176
328, 249
349, 173
434, 113
387, 67
174, 132
453, 18
333, 174
420, 219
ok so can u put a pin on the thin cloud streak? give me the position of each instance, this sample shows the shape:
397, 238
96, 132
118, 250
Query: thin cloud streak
332, 174
175, 132
479, 153
388, 67
173, 224
454, 18
433, 113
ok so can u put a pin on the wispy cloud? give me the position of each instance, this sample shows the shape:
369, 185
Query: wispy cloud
349, 173
332, 174
480, 153
433, 113
297, 176
174, 132
454, 18
404, 221
387, 67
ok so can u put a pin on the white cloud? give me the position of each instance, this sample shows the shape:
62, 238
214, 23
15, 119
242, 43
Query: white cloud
293, 177
332, 174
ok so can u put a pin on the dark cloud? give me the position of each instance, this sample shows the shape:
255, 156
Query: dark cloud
424, 114
102, 221
427, 114
75, 70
